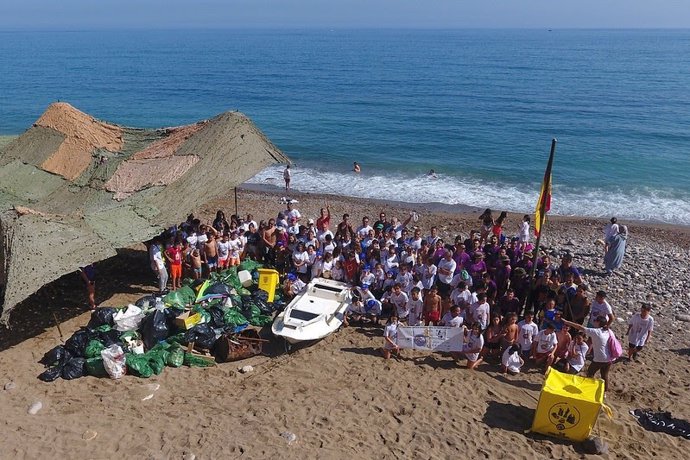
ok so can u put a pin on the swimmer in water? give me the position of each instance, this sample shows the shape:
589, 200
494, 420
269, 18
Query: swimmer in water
432, 174
356, 168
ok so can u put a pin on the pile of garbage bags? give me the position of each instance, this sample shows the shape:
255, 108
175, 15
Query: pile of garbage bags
143, 338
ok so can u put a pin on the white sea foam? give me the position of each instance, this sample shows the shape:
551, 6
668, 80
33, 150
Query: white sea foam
638, 204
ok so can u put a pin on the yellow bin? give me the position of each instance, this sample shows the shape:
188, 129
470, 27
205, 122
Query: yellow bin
268, 280
569, 406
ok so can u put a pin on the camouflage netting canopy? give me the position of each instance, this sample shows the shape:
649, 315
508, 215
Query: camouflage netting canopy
74, 189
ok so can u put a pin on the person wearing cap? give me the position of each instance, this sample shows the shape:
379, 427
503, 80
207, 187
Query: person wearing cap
360, 295
293, 227
292, 286
367, 277
544, 346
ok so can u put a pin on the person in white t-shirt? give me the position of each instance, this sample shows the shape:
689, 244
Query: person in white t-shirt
544, 346
576, 354
452, 318
223, 251
291, 212
415, 305
599, 335
473, 346
365, 228
640, 327
511, 361
390, 337
480, 310
399, 300
462, 296
600, 307
528, 331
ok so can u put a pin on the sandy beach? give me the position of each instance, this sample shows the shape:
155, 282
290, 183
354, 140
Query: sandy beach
338, 396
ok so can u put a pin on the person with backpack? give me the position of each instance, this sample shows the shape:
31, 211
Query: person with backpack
605, 346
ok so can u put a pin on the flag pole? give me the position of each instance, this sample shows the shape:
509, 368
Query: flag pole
542, 217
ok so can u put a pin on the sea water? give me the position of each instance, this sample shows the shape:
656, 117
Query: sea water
480, 107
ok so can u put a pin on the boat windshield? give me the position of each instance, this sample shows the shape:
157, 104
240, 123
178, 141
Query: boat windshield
303, 315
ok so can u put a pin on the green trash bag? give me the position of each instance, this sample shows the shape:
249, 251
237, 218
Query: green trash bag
249, 265
234, 317
157, 361
180, 298
260, 320
131, 335
195, 361
176, 358
176, 339
95, 367
94, 348
138, 365
244, 292
104, 328
236, 301
187, 282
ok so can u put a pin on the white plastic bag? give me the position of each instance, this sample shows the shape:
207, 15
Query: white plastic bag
114, 361
128, 319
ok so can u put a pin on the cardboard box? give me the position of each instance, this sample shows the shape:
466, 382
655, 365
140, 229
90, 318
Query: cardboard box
186, 320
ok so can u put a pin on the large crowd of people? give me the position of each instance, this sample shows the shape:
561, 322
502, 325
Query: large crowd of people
403, 275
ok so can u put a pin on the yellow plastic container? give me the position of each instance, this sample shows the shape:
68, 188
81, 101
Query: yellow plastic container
569, 406
268, 281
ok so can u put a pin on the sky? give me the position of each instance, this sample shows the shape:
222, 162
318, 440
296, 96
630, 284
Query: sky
172, 14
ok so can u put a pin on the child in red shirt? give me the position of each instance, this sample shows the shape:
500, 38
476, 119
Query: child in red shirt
174, 256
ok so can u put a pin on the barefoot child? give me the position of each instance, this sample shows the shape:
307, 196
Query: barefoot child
640, 327
528, 331
195, 260
511, 361
415, 305
432, 307
576, 354
473, 346
174, 256
390, 336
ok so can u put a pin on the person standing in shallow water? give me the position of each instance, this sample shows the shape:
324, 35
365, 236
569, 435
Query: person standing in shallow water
287, 175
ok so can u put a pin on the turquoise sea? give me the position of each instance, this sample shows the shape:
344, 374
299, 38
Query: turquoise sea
480, 107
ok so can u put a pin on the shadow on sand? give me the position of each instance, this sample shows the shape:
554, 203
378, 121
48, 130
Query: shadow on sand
65, 298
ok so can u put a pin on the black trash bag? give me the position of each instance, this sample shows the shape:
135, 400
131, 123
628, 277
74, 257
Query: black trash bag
56, 356
146, 300
76, 344
102, 316
261, 295
202, 335
112, 337
217, 317
73, 369
218, 288
278, 305
51, 374
154, 328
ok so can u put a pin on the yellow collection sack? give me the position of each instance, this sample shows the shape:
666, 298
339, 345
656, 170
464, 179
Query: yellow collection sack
568, 406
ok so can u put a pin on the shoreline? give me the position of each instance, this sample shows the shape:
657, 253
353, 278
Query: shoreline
677, 233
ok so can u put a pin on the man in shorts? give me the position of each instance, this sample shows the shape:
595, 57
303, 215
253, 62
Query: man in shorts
640, 327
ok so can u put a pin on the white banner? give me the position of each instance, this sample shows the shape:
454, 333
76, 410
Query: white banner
431, 338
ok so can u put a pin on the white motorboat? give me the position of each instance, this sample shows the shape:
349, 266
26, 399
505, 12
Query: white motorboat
315, 312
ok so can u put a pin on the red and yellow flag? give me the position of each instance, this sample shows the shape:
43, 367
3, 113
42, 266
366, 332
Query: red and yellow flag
544, 203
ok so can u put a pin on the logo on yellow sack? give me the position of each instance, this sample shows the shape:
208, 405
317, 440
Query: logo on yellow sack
564, 416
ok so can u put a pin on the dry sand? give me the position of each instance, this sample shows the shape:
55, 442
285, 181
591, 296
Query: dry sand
339, 397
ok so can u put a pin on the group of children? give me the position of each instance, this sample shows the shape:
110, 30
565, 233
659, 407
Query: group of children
480, 282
